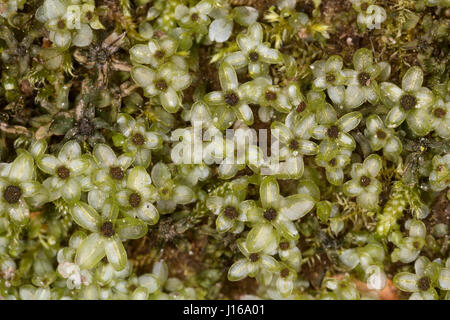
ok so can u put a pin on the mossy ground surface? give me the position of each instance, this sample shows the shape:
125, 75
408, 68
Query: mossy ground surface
187, 241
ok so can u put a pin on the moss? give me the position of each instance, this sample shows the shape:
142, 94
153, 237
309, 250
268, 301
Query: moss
82, 93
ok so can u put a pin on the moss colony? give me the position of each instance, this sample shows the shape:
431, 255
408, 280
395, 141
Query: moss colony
224, 149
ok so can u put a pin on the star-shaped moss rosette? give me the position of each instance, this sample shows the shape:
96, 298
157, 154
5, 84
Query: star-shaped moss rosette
273, 96
221, 27
108, 231
157, 52
232, 94
369, 261
165, 83
171, 191
370, 16
337, 134
254, 53
188, 141
284, 280
136, 139
383, 138
440, 118
137, 199
195, 18
408, 248
334, 161
364, 184
313, 103
362, 83
69, 22
329, 76
294, 143
234, 153
364, 257
260, 265
275, 218
230, 210
66, 172
19, 189
440, 172
111, 172
428, 276
411, 102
